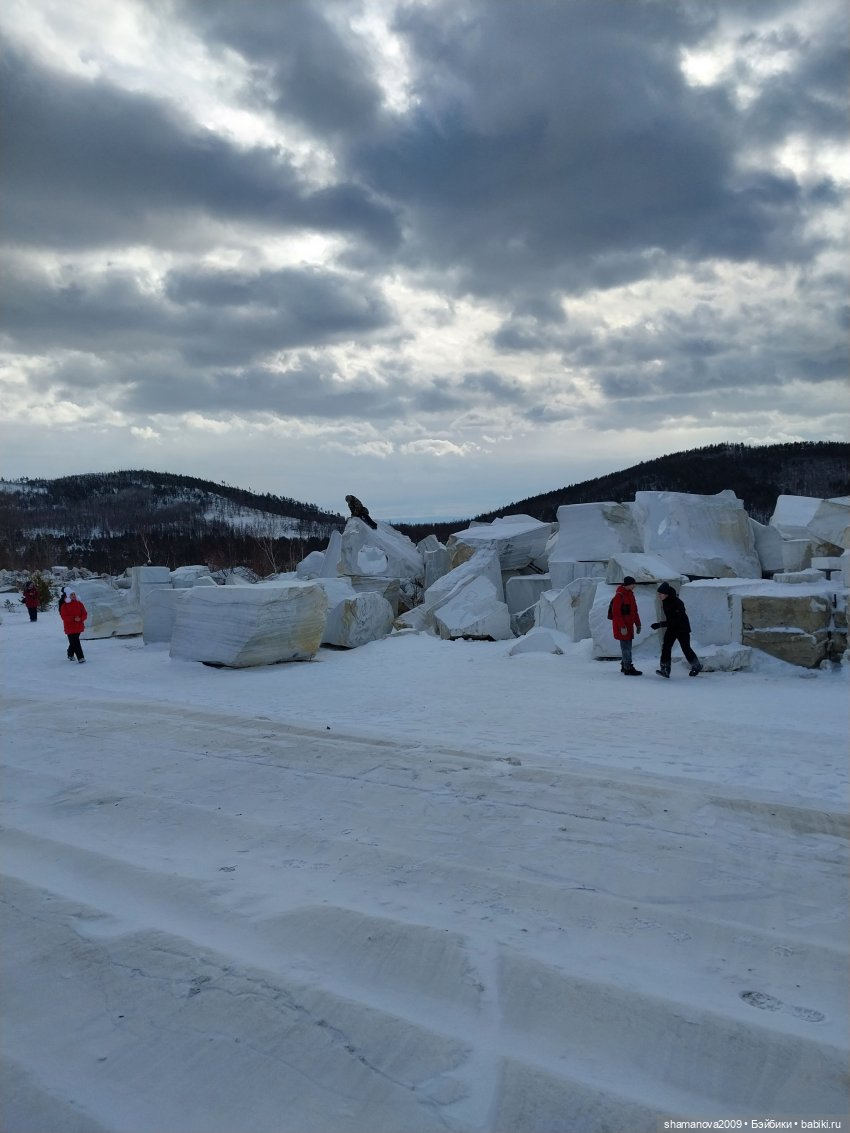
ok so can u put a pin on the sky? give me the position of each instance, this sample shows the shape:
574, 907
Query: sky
443, 255
419, 885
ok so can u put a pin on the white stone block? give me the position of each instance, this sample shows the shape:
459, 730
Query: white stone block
474, 611
385, 552
641, 567
523, 590
111, 612
540, 639
185, 576
568, 610
594, 531
710, 607
311, 565
159, 612
519, 540
831, 522
353, 618
332, 562
435, 557
142, 578
705, 536
793, 514
242, 626
799, 577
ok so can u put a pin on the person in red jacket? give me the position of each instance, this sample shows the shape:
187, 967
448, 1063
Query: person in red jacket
625, 622
31, 599
74, 616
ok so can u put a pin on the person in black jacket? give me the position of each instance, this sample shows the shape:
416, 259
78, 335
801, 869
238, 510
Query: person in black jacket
360, 511
676, 628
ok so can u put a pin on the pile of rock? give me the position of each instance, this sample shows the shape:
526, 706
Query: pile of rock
779, 587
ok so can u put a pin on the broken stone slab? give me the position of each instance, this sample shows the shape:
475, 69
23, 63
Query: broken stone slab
185, 576
159, 613
474, 611
731, 658
798, 577
568, 610
700, 536
243, 626
778, 552
388, 588
143, 578
523, 621
519, 540
311, 565
382, 551
523, 590
332, 561
435, 557
594, 531
540, 639
564, 571
792, 627
483, 563
111, 612
824, 522
714, 617
354, 618
831, 522
642, 568
604, 642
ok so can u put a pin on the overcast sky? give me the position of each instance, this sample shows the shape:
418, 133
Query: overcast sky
441, 254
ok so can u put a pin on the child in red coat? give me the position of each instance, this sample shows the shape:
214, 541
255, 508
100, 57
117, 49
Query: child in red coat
74, 616
625, 620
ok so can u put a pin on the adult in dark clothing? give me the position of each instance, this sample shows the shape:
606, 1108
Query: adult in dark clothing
360, 511
30, 599
74, 616
676, 627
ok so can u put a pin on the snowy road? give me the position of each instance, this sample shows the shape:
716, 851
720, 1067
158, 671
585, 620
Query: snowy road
218, 921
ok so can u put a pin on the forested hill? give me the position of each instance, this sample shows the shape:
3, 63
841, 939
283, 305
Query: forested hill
757, 475
107, 521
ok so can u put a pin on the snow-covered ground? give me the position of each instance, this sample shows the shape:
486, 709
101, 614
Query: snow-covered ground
417, 886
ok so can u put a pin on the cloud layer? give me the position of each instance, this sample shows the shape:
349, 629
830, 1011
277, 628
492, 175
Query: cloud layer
441, 254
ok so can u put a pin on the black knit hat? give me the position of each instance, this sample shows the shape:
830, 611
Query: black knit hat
666, 588
628, 581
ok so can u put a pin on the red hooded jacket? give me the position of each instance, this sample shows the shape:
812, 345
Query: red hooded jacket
624, 614
74, 616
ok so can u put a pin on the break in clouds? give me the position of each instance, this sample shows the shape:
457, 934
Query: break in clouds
447, 222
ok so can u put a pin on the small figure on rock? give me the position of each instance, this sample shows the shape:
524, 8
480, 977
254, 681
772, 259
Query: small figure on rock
625, 623
30, 599
359, 511
676, 627
74, 616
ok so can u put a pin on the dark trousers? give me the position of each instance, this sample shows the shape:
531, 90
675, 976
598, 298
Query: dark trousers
684, 639
74, 647
33, 612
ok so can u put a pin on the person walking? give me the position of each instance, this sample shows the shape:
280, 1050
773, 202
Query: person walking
625, 623
74, 616
31, 599
676, 627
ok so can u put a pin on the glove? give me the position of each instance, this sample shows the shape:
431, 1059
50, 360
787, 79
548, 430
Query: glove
637, 628
655, 625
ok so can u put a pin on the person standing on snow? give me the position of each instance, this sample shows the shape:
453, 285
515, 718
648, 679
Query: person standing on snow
625, 623
30, 599
676, 627
74, 616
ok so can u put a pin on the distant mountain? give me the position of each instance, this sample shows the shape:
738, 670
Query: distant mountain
108, 521
756, 474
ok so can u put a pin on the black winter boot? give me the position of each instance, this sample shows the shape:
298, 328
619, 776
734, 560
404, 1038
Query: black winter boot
696, 668
663, 670
632, 672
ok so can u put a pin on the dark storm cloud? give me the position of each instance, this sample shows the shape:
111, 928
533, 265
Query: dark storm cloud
314, 70
88, 164
551, 144
206, 317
